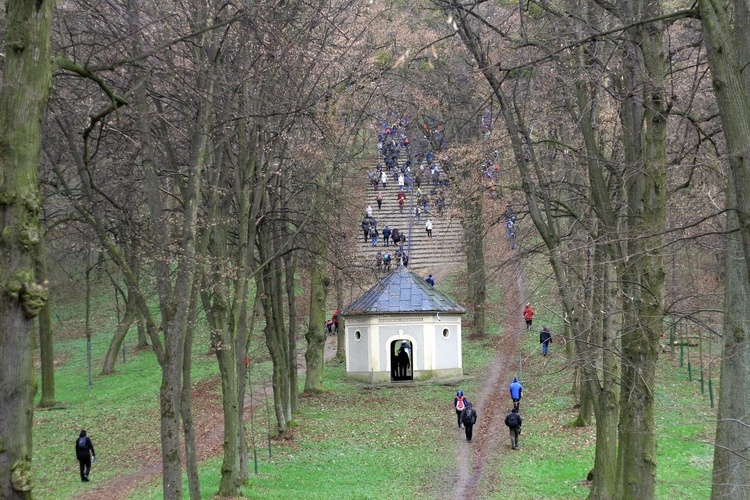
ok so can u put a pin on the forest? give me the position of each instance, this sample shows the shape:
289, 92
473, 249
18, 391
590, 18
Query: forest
206, 161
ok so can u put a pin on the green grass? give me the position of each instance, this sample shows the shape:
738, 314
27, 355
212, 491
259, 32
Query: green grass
353, 442
555, 458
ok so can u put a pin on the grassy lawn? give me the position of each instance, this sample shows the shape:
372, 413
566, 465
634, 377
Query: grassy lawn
354, 442
555, 458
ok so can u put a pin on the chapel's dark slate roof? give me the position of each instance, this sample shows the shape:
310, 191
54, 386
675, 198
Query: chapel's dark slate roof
402, 291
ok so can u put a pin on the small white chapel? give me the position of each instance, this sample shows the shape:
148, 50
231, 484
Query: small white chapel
403, 329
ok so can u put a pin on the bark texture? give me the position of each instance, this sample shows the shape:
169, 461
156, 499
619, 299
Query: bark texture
23, 100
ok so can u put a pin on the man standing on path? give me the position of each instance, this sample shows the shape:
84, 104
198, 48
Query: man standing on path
514, 421
545, 336
84, 452
516, 392
528, 315
469, 418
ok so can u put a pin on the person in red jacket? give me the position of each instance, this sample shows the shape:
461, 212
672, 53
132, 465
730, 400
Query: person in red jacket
528, 315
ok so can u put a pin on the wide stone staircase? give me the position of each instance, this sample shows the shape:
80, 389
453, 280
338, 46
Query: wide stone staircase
444, 248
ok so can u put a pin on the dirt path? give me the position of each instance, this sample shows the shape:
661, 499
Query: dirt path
492, 402
209, 436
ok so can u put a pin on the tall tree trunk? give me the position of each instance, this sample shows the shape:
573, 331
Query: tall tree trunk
114, 346
606, 407
644, 123
731, 475
340, 337
290, 270
23, 99
46, 340
186, 405
316, 335
728, 49
475, 261
269, 282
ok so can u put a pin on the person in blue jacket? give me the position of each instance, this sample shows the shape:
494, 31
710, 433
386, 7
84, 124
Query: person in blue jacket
516, 392
459, 403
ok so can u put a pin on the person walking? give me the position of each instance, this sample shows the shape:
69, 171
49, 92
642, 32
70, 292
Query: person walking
428, 227
368, 212
379, 199
383, 179
386, 235
528, 315
513, 420
366, 228
545, 337
459, 403
516, 393
429, 279
84, 453
469, 418
374, 236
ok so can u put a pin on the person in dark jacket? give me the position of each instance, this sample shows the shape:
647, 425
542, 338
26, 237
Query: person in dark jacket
429, 279
459, 402
516, 392
545, 337
386, 235
84, 452
514, 421
366, 228
469, 418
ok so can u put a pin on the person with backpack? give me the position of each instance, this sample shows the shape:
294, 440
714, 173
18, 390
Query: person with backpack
387, 261
395, 236
514, 421
84, 453
374, 236
469, 418
428, 227
459, 402
516, 392
545, 337
429, 279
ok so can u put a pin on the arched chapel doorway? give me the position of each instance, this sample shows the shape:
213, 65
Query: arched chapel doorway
402, 354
